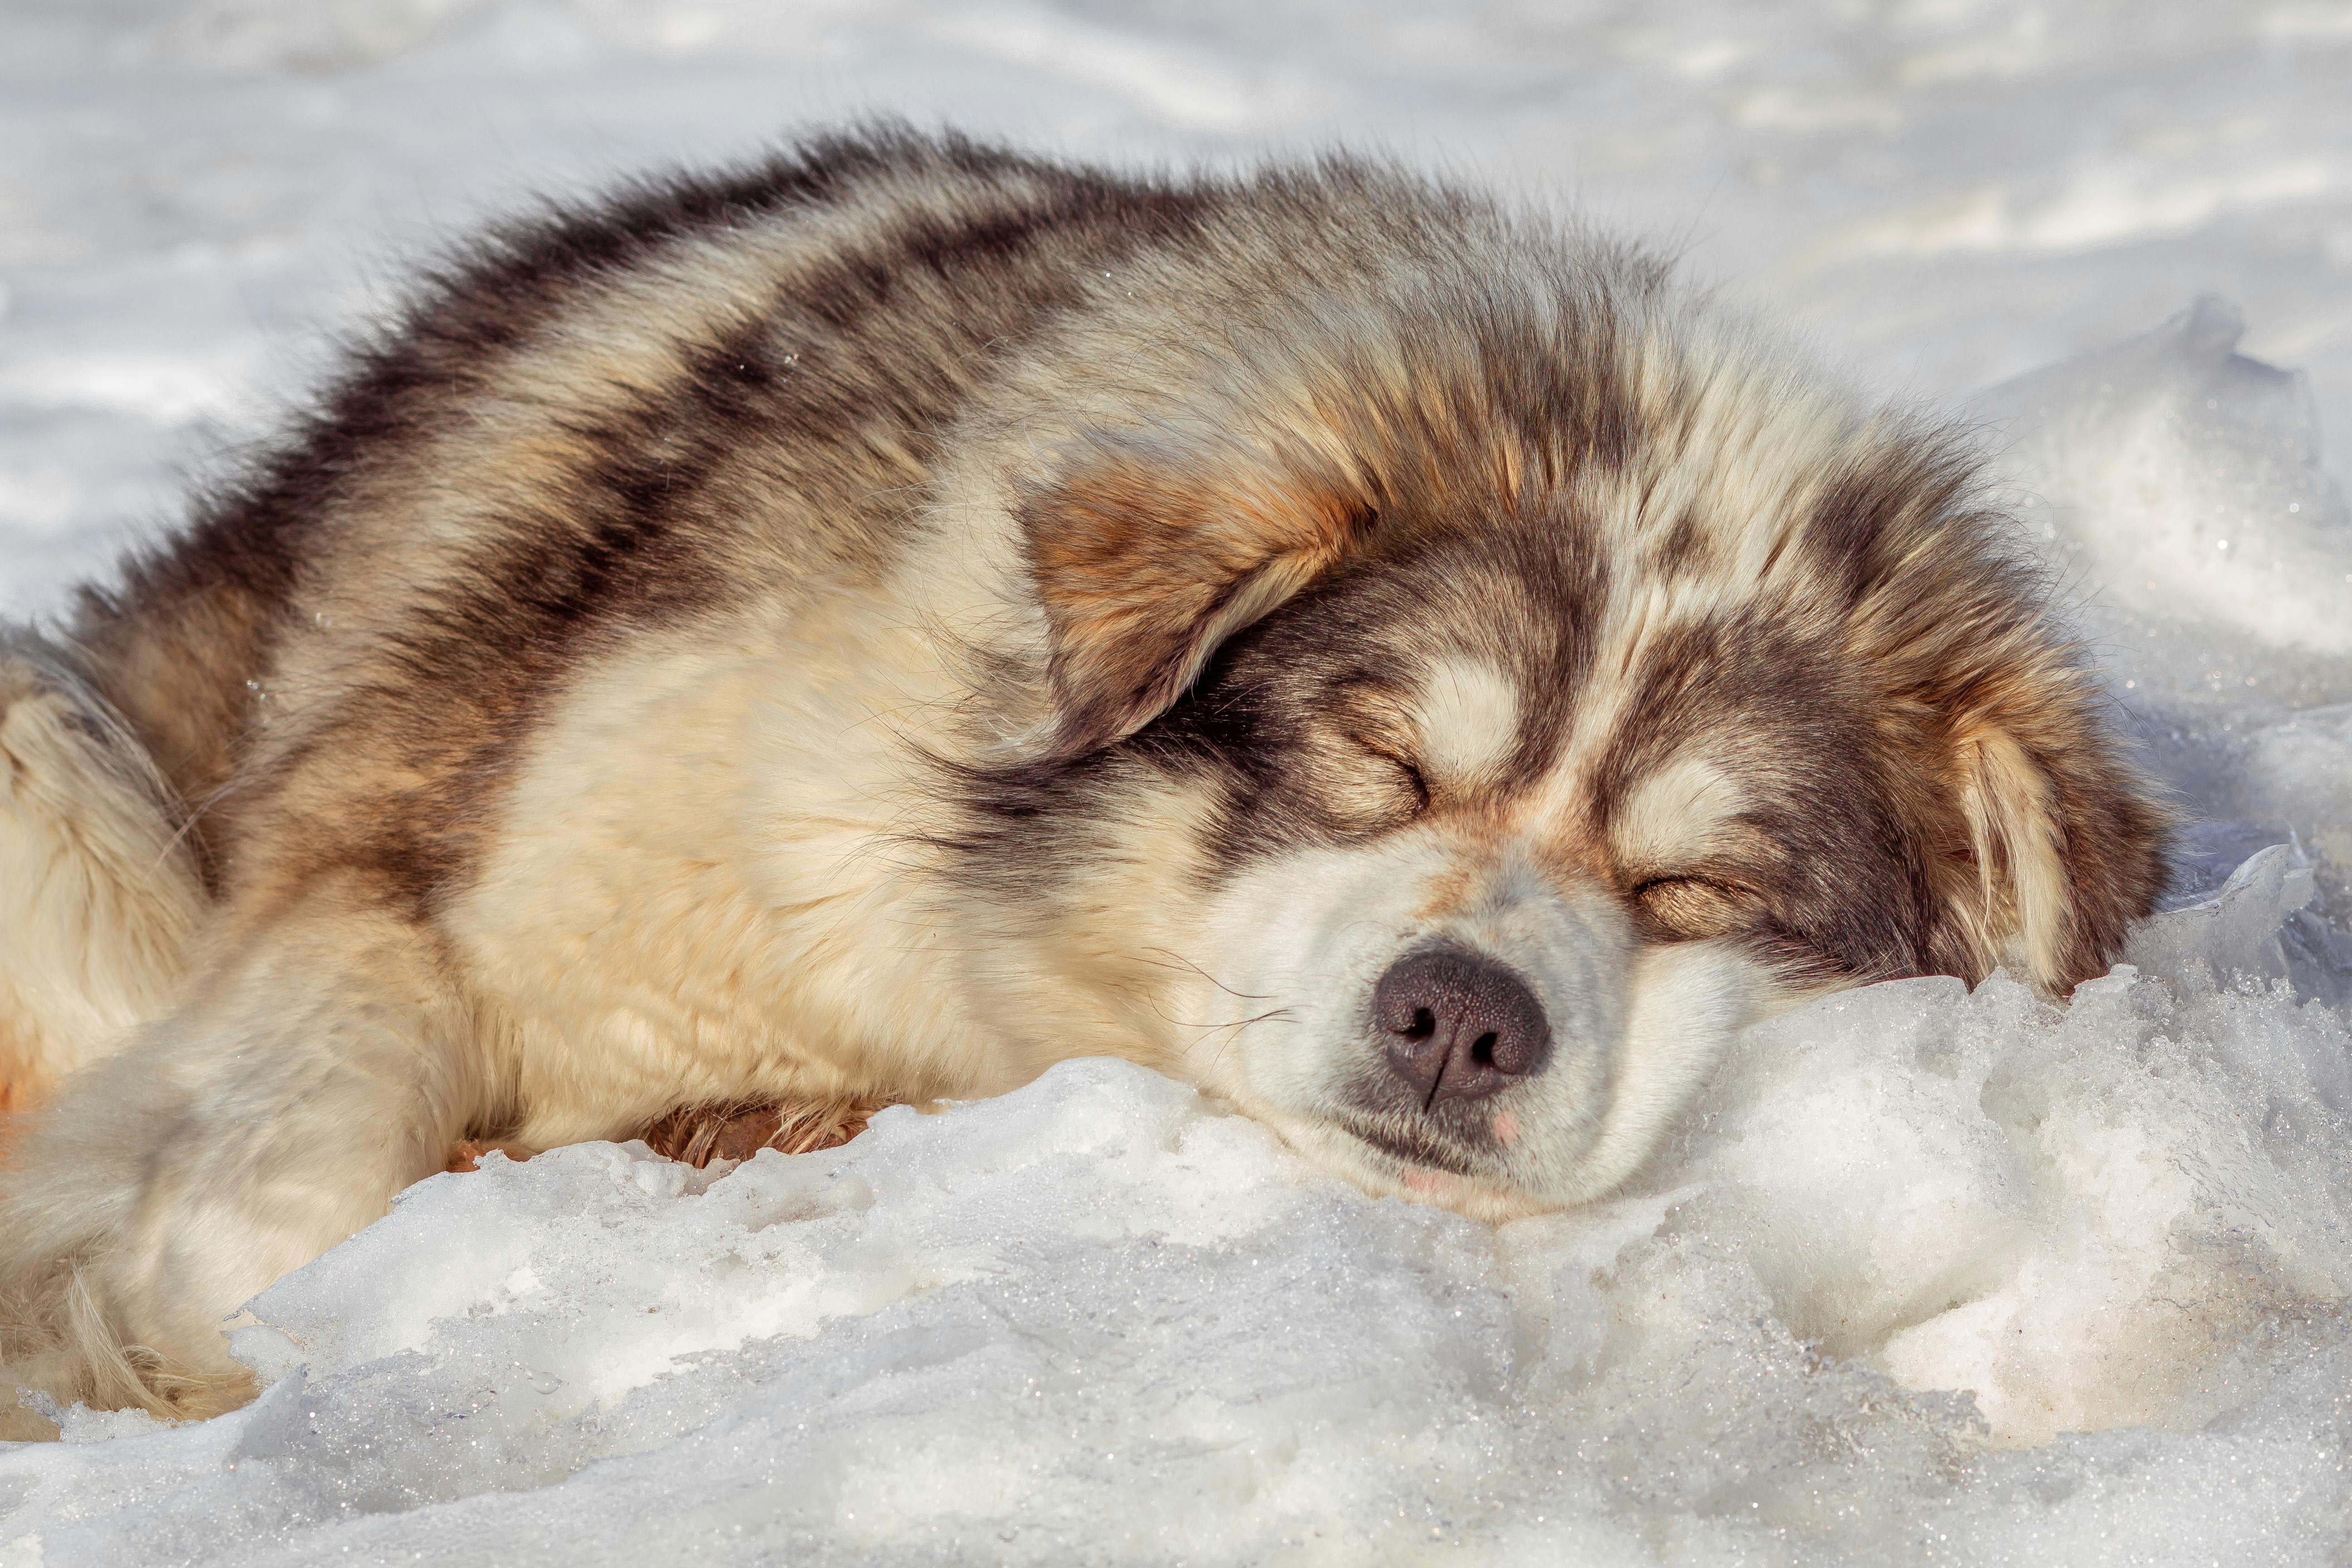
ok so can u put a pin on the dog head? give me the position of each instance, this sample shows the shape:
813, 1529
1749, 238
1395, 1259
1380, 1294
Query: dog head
1557, 708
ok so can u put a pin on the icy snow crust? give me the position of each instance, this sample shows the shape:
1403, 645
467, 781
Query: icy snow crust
1932, 1277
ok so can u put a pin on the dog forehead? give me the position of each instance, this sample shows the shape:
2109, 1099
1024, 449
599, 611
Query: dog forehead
1675, 744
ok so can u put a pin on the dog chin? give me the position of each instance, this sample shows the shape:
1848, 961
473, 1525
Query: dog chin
1384, 1173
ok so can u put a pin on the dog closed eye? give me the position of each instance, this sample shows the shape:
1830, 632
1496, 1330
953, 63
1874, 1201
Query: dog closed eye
1685, 905
1400, 769
1369, 788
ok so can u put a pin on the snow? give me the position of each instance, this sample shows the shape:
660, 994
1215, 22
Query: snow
1931, 1277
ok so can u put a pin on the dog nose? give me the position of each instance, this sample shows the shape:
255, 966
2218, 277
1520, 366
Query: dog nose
1459, 1026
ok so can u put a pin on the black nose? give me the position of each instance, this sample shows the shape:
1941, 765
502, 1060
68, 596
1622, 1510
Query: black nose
1459, 1026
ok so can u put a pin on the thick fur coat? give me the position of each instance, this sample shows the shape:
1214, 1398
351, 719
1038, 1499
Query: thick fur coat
871, 626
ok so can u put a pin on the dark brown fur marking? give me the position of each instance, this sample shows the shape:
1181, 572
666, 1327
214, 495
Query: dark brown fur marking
658, 521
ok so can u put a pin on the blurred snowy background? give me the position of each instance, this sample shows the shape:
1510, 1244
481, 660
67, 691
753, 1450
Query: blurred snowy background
1934, 1278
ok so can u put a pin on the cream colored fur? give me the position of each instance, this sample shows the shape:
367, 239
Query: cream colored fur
1469, 714
98, 892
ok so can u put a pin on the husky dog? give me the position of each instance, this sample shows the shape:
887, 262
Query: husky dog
873, 626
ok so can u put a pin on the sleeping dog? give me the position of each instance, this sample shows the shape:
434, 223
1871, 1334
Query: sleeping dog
873, 624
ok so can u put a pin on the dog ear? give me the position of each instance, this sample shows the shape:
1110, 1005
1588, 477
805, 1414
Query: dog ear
1145, 558
2068, 844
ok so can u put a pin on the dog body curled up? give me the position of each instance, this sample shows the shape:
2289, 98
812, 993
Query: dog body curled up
874, 625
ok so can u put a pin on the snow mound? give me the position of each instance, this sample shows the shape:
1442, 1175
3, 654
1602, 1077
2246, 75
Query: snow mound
1911, 1231
2176, 485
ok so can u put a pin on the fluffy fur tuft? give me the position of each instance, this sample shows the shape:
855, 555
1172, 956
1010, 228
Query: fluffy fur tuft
99, 891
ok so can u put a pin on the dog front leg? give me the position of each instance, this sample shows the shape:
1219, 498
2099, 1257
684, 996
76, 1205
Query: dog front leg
325, 1061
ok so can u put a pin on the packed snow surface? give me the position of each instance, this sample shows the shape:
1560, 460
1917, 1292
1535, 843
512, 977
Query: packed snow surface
1931, 1277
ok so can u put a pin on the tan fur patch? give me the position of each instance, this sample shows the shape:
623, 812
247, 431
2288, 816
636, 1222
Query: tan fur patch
1468, 713
1673, 814
2019, 850
98, 893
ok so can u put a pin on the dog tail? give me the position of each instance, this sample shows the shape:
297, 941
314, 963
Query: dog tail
99, 893
99, 887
